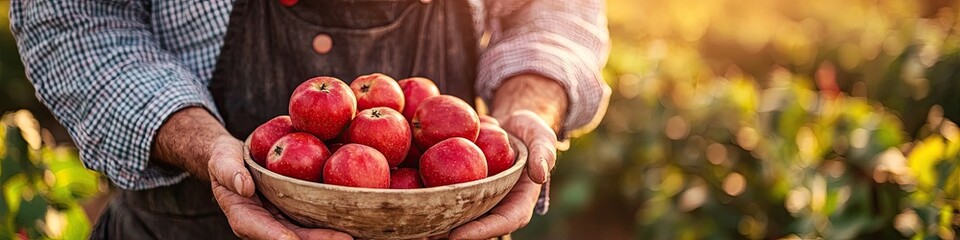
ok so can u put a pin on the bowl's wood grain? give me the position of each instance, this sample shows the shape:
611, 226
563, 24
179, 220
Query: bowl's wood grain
385, 213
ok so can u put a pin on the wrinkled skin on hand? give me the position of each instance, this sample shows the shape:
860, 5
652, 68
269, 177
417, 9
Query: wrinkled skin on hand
529, 107
249, 217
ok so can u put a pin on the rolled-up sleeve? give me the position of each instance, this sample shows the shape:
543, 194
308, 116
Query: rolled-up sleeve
566, 41
100, 70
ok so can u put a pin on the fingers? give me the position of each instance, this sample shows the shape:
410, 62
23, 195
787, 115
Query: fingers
250, 219
306, 233
445, 235
226, 167
540, 140
512, 213
247, 218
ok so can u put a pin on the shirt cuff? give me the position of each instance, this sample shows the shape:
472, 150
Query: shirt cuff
543, 201
123, 151
573, 66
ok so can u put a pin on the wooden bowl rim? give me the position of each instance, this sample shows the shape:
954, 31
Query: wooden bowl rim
519, 163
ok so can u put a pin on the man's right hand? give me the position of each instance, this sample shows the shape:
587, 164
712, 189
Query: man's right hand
193, 140
234, 190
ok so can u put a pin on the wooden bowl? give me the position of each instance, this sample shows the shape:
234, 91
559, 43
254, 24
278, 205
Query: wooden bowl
385, 213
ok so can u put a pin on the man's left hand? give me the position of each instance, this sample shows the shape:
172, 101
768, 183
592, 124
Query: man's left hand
530, 107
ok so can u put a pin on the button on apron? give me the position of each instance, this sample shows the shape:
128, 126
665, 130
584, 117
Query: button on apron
322, 43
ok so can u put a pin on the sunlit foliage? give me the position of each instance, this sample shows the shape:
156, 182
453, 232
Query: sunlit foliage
763, 119
42, 186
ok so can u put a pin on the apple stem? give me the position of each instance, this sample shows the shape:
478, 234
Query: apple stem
322, 87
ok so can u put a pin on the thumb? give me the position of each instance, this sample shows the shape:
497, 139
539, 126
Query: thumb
540, 141
226, 166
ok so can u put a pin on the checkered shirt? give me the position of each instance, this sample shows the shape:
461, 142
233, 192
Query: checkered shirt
112, 71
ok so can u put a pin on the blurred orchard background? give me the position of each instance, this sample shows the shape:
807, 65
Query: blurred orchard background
729, 119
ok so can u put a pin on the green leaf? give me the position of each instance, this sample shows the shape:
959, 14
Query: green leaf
17, 154
72, 184
923, 158
77, 225
8, 167
4, 209
31, 211
944, 170
12, 189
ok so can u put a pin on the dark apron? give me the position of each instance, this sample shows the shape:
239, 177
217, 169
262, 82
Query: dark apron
268, 51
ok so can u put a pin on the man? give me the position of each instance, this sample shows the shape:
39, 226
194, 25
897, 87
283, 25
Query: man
155, 91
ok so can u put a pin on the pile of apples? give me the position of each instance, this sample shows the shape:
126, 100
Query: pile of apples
380, 133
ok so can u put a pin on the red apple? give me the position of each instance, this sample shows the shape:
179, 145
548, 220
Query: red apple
298, 155
322, 106
266, 135
452, 161
489, 119
377, 90
415, 90
442, 117
495, 144
383, 129
413, 157
356, 165
405, 178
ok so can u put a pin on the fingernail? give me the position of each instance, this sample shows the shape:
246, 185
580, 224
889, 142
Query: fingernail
546, 170
238, 183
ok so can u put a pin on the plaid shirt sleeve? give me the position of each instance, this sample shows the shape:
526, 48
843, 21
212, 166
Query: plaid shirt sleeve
100, 69
566, 41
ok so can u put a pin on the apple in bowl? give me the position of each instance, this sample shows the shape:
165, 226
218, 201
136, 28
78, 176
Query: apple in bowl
375, 213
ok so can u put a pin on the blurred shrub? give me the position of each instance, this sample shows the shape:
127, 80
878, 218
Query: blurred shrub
759, 119
41, 185
15, 90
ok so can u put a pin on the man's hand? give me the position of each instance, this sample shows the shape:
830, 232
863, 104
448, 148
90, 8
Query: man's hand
234, 191
194, 140
530, 107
